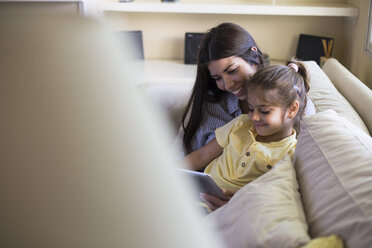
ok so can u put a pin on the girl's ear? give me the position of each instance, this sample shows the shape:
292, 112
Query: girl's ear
293, 109
254, 49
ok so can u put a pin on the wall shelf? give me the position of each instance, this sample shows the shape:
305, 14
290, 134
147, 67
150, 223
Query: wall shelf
235, 8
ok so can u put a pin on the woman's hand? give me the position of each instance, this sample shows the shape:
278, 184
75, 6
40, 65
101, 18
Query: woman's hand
213, 202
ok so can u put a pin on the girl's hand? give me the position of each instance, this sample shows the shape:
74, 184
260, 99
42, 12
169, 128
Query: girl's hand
213, 202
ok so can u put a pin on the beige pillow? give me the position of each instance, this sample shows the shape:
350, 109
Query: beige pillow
333, 161
325, 96
265, 213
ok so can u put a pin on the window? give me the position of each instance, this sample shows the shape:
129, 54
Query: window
369, 34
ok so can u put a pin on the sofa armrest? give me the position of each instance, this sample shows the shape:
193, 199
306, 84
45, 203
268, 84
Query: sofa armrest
356, 92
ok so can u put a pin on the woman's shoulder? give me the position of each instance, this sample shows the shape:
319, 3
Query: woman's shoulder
232, 103
227, 104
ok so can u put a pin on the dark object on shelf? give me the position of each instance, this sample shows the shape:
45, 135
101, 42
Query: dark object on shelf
312, 47
169, 0
192, 44
135, 38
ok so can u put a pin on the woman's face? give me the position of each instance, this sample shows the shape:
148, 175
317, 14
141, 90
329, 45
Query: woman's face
230, 74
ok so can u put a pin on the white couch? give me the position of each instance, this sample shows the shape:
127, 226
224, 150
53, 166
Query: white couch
326, 190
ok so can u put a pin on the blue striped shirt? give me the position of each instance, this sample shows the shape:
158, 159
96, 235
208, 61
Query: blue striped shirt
215, 115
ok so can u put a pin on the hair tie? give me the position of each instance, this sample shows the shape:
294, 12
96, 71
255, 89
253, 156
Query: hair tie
297, 89
294, 66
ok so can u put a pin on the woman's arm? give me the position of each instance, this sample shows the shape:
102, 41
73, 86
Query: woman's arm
200, 158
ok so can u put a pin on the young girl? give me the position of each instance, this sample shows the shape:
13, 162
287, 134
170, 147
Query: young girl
251, 144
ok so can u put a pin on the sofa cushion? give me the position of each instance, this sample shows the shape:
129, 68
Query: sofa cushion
267, 212
333, 162
325, 96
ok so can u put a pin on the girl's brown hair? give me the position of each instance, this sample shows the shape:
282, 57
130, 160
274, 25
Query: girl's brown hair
289, 85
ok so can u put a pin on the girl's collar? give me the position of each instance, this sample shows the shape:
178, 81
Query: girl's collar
253, 134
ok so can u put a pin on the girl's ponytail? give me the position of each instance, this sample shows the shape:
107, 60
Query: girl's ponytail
302, 83
305, 75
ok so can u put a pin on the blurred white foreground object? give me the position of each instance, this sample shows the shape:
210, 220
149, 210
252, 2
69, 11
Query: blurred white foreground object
83, 162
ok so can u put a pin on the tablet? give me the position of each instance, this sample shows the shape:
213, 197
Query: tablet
204, 182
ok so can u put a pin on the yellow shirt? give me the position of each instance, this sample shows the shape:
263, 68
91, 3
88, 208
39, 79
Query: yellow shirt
243, 158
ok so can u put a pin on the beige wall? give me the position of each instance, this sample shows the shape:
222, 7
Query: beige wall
356, 58
163, 34
276, 35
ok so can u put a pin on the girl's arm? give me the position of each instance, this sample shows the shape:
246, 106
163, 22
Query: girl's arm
200, 158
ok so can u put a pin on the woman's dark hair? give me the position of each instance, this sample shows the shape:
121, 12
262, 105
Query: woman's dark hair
222, 41
290, 82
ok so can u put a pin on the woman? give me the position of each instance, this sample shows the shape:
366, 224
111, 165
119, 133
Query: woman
227, 55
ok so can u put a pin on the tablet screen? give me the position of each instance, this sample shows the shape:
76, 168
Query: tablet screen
204, 182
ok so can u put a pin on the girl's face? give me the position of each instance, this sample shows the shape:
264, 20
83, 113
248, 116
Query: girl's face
272, 122
230, 74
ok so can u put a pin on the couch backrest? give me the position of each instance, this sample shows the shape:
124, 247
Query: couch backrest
325, 96
356, 92
171, 97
